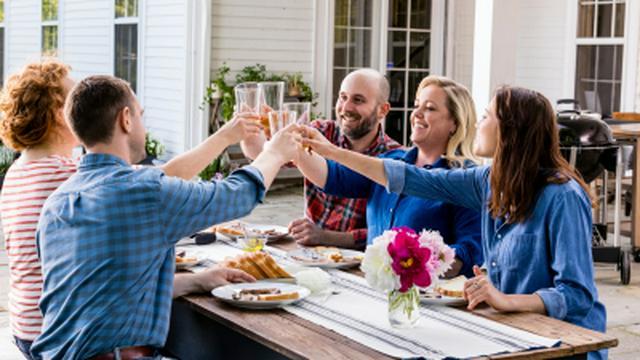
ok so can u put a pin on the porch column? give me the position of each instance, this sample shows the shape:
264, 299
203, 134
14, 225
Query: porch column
494, 48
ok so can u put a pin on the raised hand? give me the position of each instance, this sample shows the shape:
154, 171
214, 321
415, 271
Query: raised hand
244, 125
285, 143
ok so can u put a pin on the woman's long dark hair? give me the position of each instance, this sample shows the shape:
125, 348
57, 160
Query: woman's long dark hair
527, 156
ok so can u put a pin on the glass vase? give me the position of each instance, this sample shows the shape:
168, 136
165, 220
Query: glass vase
404, 308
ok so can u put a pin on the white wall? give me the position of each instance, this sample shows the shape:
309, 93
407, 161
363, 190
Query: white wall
540, 52
87, 28
276, 33
23, 33
463, 13
164, 63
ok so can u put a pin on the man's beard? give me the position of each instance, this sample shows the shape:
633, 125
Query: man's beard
363, 128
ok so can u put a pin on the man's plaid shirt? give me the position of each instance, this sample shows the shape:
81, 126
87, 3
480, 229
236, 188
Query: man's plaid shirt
337, 213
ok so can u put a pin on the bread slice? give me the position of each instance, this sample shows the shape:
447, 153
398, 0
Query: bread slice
259, 264
453, 287
279, 297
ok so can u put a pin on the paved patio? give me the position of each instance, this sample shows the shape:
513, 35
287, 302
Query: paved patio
282, 205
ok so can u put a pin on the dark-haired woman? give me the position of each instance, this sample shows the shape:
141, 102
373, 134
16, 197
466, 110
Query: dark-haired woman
536, 211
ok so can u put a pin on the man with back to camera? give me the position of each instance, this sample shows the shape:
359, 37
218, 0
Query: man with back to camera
106, 236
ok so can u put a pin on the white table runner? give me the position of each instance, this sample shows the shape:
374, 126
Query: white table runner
359, 312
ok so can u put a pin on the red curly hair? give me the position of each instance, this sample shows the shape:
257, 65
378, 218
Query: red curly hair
30, 103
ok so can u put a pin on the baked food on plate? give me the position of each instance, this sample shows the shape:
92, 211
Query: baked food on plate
259, 264
452, 287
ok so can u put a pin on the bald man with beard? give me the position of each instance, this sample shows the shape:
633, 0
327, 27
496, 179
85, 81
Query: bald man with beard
362, 105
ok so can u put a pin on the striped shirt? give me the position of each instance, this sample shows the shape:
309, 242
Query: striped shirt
25, 189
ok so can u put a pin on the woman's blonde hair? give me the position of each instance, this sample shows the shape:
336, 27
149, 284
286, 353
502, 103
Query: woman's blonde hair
31, 102
463, 111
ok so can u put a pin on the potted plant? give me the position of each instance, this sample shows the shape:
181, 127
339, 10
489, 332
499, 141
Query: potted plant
6, 159
153, 148
294, 82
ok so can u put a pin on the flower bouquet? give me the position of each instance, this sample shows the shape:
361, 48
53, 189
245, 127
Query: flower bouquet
398, 262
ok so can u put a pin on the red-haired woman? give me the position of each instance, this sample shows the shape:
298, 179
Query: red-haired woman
536, 211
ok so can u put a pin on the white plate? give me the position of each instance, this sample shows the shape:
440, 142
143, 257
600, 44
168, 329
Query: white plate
432, 298
225, 293
282, 231
308, 257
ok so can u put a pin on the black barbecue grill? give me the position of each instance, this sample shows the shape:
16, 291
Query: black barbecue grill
586, 142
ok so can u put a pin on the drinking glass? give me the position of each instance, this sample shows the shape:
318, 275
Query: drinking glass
278, 120
303, 109
270, 98
251, 241
247, 97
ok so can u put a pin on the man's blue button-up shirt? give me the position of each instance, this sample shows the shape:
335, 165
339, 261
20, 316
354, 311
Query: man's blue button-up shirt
106, 240
549, 254
459, 226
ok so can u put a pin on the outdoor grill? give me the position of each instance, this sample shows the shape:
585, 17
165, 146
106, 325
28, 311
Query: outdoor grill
587, 143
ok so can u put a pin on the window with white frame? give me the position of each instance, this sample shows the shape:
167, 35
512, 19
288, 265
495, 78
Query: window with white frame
599, 54
126, 41
2, 42
49, 31
404, 36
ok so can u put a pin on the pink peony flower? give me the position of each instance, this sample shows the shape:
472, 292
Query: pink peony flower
409, 259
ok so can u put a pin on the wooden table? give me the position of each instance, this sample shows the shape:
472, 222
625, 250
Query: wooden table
202, 327
631, 133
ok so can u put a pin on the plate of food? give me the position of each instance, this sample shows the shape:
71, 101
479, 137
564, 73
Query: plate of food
237, 229
326, 257
184, 262
260, 265
260, 295
448, 292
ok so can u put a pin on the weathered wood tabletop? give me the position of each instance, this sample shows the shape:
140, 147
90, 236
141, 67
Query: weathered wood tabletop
297, 338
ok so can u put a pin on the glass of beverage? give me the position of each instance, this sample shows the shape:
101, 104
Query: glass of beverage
251, 241
247, 97
278, 120
270, 98
303, 109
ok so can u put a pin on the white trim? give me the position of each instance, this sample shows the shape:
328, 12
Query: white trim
198, 37
599, 41
141, 43
569, 78
5, 44
630, 59
449, 41
378, 21
436, 58
322, 63
383, 19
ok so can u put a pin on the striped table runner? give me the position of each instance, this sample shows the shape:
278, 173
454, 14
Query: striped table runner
359, 312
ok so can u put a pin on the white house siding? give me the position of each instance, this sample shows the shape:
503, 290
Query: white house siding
464, 11
276, 33
23, 33
637, 102
540, 53
86, 37
165, 70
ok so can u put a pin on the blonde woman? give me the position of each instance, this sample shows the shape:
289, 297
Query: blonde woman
443, 128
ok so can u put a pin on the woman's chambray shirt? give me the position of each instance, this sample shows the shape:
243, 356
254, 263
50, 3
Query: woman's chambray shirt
549, 254
459, 226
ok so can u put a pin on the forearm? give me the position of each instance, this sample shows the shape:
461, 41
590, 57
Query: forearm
269, 165
368, 166
252, 147
314, 168
525, 303
339, 239
192, 162
185, 284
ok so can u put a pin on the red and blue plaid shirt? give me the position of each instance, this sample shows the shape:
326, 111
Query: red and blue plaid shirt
338, 213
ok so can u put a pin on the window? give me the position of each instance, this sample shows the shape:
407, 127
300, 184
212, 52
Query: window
408, 53
407, 31
49, 35
126, 41
352, 39
599, 54
1, 42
